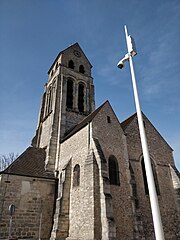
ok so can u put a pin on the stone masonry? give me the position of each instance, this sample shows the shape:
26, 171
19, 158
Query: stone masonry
33, 199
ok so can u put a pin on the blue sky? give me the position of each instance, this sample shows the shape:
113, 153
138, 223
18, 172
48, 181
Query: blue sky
33, 32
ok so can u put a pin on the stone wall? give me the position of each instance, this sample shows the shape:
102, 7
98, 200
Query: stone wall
33, 199
97, 209
46, 131
161, 154
61, 219
81, 216
112, 140
72, 118
84, 204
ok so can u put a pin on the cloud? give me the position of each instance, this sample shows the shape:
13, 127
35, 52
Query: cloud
161, 73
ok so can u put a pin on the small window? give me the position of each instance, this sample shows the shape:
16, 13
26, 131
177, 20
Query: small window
81, 69
144, 124
108, 119
71, 64
113, 171
76, 175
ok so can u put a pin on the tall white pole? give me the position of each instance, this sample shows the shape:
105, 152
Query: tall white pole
147, 162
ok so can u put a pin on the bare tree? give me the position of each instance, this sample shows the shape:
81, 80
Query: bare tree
6, 160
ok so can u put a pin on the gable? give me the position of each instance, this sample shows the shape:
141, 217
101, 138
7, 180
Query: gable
132, 123
74, 53
155, 131
97, 117
106, 122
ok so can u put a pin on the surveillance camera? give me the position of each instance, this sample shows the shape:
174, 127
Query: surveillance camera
120, 64
122, 61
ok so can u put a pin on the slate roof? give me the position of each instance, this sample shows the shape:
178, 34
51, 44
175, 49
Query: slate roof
84, 122
30, 163
126, 122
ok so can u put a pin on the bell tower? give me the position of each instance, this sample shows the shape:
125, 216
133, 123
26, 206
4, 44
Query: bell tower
68, 98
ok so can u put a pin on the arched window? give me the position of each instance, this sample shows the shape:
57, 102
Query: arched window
81, 69
56, 67
52, 72
53, 88
69, 97
81, 97
76, 175
145, 178
113, 171
48, 101
71, 64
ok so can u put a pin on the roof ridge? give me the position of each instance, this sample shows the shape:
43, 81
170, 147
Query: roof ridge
127, 121
83, 122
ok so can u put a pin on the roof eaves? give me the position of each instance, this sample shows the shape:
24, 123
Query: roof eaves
26, 175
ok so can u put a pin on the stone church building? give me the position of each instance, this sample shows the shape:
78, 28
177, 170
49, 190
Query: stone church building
83, 177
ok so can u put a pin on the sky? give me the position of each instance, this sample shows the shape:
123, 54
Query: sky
33, 32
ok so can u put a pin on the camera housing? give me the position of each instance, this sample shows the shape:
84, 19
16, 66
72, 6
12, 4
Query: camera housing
120, 64
122, 61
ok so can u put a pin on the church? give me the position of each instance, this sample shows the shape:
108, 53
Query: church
83, 177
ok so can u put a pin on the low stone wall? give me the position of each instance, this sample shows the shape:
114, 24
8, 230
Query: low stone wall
33, 199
